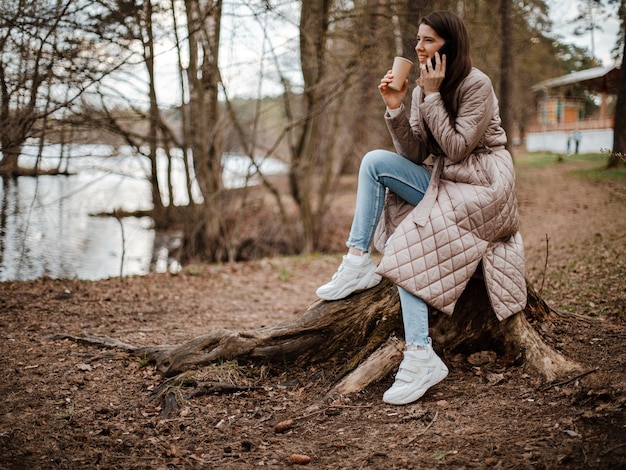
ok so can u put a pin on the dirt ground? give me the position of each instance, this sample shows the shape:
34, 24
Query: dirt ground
67, 405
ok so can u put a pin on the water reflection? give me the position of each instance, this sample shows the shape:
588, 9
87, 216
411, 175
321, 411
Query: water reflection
46, 223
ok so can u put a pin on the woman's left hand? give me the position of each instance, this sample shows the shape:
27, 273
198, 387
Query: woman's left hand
430, 78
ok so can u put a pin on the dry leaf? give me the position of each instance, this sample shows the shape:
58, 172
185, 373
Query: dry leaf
482, 358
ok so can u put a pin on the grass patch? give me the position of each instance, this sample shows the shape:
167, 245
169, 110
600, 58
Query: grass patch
225, 371
143, 361
601, 173
283, 274
550, 159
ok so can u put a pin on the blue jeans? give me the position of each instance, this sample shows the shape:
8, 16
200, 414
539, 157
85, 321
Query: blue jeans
381, 169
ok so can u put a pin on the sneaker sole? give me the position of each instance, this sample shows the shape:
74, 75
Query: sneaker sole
443, 373
351, 288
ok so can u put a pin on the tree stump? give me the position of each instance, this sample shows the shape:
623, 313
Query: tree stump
361, 336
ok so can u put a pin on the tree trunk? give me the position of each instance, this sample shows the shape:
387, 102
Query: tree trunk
10, 155
203, 24
154, 114
506, 70
416, 10
360, 335
306, 155
618, 153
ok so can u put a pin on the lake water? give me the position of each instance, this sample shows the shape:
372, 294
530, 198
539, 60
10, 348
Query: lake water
47, 227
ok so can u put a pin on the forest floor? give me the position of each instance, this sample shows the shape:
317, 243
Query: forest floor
68, 405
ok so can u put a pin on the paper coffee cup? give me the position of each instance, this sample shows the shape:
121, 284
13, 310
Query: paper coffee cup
401, 68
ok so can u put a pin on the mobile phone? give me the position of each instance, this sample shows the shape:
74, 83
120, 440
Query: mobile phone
448, 50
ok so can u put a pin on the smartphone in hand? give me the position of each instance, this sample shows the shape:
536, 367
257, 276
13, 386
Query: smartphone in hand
448, 50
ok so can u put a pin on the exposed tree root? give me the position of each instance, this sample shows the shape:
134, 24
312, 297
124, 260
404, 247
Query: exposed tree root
359, 335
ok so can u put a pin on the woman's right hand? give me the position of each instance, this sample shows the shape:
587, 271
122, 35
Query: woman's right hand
392, 98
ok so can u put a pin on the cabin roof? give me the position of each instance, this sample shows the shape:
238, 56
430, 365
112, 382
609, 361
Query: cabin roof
599, 79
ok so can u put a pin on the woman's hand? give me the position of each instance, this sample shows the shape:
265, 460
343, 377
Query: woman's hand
392, 98
430, 78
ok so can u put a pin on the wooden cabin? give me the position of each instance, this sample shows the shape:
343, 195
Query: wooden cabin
558, 112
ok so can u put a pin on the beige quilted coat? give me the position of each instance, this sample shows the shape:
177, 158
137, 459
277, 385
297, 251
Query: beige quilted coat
468, 217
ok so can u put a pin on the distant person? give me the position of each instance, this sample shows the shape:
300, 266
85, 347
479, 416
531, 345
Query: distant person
577, 138
436, 220
569, 143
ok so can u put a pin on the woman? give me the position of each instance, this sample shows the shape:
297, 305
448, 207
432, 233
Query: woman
441, 206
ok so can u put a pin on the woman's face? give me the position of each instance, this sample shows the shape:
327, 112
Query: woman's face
428, 42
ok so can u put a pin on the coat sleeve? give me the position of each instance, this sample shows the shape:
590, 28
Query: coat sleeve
409, 136
460, 137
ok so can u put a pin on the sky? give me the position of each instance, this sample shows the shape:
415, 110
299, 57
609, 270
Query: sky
562, 12
244, 55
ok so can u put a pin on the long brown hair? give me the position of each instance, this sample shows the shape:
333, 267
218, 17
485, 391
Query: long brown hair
459, 61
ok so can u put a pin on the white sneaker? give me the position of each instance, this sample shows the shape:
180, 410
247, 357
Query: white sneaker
415, 376
349, 278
